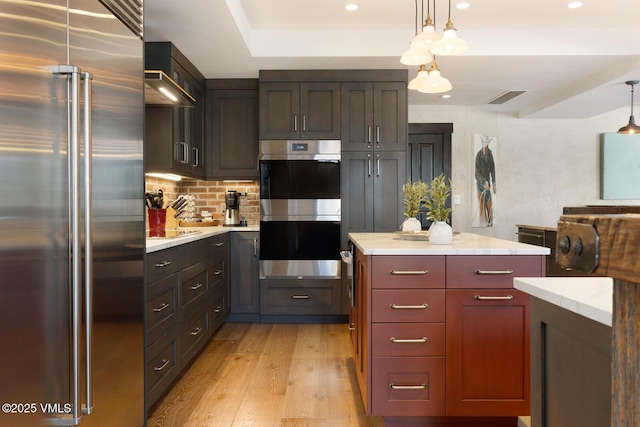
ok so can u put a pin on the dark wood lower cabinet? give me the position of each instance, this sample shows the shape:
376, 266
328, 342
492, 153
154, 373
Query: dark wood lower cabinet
187, 300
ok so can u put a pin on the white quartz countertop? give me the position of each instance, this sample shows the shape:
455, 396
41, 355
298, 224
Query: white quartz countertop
157, 244
462, 244
591, 297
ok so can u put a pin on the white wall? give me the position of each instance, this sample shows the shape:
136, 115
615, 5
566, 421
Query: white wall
542, 165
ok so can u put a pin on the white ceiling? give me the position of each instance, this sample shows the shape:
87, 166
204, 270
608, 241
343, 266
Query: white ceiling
572, 63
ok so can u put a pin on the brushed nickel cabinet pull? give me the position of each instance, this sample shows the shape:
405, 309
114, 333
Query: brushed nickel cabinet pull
217, 272
299, 296
196, 331
485, 298
404, 307
295, 123
196, 287
163, 307
163, 264
494, 272
218, 309
164, 362
220, 244
407, 387
352, 327
408, 272
411, 340
369, 134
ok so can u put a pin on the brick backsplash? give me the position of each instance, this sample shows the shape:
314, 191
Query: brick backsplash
210, 194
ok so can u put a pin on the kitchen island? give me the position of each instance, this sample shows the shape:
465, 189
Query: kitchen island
440, 337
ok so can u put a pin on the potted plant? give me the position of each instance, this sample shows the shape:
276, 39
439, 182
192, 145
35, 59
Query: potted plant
415, 194
440, 231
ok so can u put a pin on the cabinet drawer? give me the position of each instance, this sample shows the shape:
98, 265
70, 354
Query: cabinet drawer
408, 339
407, 305
161, 264
288, 297
194, 286
218, 312
219, 243
218, 272
497, 271
194, 252
195, 332
161, 307
408, 272
161, 365
408, 386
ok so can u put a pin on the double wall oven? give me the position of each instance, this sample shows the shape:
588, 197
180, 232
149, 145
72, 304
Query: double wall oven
300, 210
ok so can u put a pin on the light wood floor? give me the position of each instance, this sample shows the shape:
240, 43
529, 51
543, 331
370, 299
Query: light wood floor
269, 375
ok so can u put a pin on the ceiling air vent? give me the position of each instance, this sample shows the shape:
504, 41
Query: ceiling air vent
507, 96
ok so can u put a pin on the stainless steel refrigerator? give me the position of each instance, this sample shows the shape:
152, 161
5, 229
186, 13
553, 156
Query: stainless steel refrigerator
71, 213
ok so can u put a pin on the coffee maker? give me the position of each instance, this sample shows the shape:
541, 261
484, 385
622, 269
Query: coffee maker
231, 214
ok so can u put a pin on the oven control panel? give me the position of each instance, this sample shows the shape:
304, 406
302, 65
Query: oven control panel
578, 246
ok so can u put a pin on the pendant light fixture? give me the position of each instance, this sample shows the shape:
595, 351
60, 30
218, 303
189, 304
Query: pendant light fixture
428, 35
435, 83
418, 52
450, 43
419, 80
630, 128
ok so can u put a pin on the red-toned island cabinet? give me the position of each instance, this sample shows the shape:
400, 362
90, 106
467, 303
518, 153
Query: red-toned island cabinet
487, 336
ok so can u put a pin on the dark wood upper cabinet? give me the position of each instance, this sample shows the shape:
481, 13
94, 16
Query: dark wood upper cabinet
176, 147
300, 110
232, 129
374, 116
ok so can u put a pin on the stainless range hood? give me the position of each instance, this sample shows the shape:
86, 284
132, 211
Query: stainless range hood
160, 89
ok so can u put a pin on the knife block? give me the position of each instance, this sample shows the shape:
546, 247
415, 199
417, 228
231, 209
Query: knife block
172, 222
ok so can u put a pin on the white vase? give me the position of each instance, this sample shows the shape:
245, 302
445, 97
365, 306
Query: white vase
440, 233
411, 224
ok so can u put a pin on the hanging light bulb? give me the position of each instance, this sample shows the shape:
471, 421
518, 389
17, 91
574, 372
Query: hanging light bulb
418, 81
418, 52
435, 83
630, 128
428, 34
450, 43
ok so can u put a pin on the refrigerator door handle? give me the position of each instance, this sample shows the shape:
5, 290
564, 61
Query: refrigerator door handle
88, 243
73, 78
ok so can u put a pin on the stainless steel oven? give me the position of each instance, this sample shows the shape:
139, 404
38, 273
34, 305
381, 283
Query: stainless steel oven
300, 209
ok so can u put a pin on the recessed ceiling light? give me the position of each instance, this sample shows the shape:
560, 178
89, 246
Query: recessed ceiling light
462, 5
446, 96
575, 4
351, 7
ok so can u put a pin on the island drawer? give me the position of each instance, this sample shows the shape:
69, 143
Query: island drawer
161, 264
494, 271
408, 305
396, 272
408, 386
408, 339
